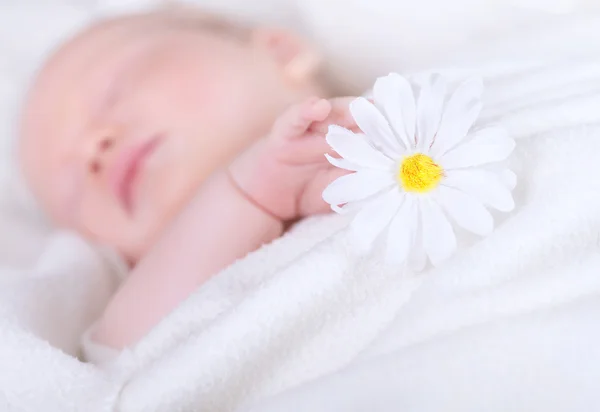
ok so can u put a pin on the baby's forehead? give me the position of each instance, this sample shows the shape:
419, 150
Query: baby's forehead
99, 39
63, 67
87, 43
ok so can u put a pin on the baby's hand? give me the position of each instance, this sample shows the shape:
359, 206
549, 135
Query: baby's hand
286, 173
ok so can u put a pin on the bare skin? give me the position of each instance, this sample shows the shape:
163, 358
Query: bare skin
183, 148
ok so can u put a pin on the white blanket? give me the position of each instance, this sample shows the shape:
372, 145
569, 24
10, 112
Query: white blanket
507, 324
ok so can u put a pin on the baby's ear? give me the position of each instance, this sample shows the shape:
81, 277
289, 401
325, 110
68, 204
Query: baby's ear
296, 56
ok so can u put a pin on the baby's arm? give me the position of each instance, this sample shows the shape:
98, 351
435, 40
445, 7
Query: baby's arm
235, 212
216, 228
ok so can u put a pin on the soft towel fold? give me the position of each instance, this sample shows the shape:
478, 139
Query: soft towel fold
60, 297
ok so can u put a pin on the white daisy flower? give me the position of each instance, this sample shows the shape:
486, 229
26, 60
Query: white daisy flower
416, 166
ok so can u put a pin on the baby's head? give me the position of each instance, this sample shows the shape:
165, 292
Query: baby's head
125, 121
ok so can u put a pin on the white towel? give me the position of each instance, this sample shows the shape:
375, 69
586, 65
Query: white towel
63, 293
44, 309
460, 337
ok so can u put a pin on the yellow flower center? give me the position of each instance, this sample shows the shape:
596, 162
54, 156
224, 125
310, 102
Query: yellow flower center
419, 173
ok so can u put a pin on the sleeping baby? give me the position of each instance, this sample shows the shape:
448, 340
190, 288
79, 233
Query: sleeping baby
182, 141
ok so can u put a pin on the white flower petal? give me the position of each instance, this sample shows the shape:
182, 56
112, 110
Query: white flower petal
351, 207
394, 98
466, 211
487, 146
429, 111
342, 163
356, 186
438, 237
373, 124
483, 185
373, 219
356, 149
418, 258
462, 110
402, 232
509, 178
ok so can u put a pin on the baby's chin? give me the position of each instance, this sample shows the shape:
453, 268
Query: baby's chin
140, 241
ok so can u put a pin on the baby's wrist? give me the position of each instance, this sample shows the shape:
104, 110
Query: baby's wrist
250, 174
248, 197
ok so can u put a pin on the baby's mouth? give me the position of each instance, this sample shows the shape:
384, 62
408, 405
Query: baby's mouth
129, 162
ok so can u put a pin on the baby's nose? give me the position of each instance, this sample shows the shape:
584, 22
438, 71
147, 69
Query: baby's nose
102, 143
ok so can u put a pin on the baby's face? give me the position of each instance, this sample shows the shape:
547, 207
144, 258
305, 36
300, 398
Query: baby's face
125, 121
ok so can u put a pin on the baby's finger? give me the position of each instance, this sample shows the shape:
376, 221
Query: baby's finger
308, 150
312, 199
339, 115
296, 120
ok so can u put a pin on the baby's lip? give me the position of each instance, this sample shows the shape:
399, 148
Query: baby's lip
123, 174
